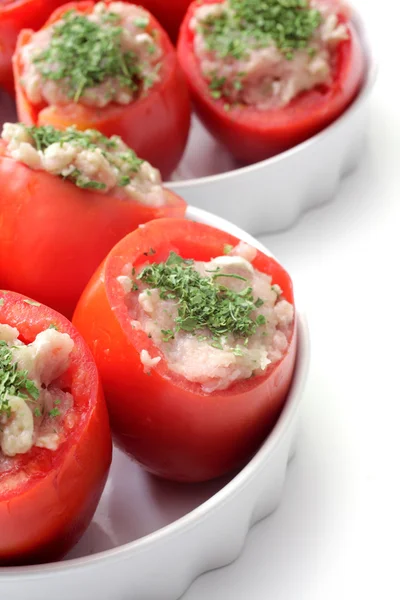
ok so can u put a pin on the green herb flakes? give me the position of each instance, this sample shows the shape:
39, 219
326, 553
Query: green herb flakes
13, 381
88, 184
82, 54
237, 351
249, 24
94, 141
141, 22
203, 303
168, 335
124, 180
54, 412
32, 302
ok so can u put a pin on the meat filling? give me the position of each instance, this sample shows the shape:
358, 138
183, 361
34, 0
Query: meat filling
263, 54
215, 323
107, 56
32, 405
88, 159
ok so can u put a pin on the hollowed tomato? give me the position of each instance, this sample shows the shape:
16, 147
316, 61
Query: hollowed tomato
48, 497
54, 234
252, 134
167, 423
156, 125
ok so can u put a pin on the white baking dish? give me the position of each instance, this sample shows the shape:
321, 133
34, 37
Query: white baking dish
271, 195
150, 539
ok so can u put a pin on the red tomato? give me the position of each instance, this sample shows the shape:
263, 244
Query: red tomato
168, 424
156, 125
54, 234
251, 134
48, 498
170, 14
14, 16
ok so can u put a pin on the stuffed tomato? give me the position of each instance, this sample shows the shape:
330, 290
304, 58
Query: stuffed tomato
170, 14
67, 198
55, 441
116, 71
14, 16
266, 76
195, 347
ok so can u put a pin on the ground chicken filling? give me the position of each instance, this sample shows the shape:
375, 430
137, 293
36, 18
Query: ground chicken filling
110, 55
214, 322
32, 406
88, 159
263, 54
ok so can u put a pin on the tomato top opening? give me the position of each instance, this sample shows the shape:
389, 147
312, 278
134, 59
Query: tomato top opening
153, 243
300, 106
80, 379
88, 116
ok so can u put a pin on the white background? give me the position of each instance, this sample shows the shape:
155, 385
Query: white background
335, 536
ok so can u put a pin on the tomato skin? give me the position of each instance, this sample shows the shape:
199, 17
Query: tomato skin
165, 422
48, 499
156, 126
65, 231
170, 14
252, 135
14, 16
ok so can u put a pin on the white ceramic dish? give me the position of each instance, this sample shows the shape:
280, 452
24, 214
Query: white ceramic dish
150, 539
271, 195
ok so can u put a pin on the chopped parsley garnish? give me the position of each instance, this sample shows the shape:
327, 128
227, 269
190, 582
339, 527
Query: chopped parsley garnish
276, 289
203, 303
168, 335
91, 140
124, 180
54, 412
216, 85
13, 381
141, 22
251, 24
82, 54
238, 351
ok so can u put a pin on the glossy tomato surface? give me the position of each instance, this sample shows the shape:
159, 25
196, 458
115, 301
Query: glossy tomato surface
48, 498
156, 125
170, 13
168, 424
14, 16
251, 134
54, 234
